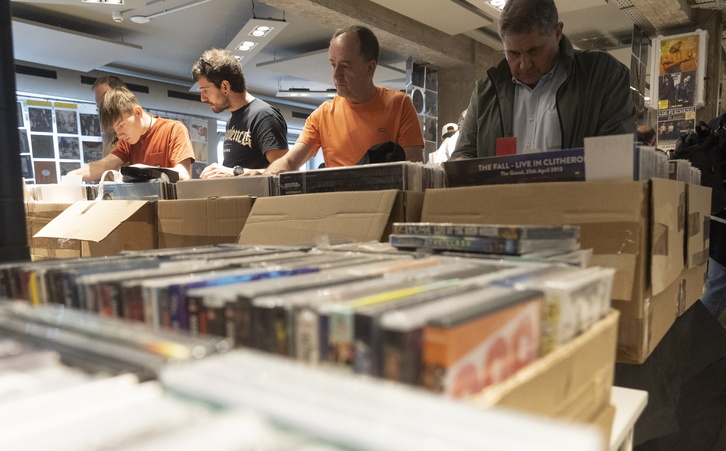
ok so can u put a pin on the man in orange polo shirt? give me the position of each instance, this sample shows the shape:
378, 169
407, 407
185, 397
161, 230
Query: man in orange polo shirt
142, 138
360, 116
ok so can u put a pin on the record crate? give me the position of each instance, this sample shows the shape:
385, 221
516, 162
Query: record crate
571, 383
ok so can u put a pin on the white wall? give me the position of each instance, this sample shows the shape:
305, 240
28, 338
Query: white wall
68, 86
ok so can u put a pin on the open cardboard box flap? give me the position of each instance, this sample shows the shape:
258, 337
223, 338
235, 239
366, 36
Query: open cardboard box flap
90, 220
305, 218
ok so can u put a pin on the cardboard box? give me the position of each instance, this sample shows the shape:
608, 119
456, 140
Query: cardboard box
698, 214
616, 219
572, 383
201, 222
694, 285
38, 215
259, 186
338, 217
105, 227
643, 326
637, 228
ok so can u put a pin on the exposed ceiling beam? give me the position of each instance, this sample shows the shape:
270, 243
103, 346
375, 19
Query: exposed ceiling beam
394, 31
665, 15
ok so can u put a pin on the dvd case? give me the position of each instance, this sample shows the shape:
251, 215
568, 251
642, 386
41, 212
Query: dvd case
468, 349
508, 231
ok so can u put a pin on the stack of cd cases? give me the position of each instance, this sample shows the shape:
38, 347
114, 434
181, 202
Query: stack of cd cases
451, 324
99, 344
47, 404
487, 239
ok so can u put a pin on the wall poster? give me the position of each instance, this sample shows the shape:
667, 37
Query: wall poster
678, 65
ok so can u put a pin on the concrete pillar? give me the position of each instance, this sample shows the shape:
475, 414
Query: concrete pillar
711, 22
457, 83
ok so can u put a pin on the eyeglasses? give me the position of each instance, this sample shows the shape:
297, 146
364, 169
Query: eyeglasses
203, 62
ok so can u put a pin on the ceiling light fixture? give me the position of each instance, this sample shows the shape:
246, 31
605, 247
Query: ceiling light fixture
306, 92
261, 30
246, 46
498, 4
254, 35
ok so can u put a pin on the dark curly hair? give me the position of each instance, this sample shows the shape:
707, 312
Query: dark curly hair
217, 65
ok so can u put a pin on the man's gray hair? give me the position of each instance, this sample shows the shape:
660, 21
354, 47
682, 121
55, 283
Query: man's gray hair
526, 16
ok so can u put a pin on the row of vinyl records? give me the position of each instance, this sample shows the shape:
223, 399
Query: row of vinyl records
450, 324
67, 383
408, 176
400, 175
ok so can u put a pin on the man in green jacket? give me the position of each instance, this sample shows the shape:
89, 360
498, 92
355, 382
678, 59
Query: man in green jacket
544, 93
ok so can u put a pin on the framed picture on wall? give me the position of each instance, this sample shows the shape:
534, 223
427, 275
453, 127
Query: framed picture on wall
68, 148
92, 151
66, 121
23, 140
42, 146
21, 119
66, 167
677, 68
90, 125
41, 120
26, 165
199, 130
45, 172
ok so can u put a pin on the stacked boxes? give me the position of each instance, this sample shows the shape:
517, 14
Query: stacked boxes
637, 228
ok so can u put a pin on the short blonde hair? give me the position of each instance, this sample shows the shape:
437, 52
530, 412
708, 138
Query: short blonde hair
116, 104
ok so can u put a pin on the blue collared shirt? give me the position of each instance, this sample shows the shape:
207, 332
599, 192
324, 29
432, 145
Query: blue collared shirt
536, 122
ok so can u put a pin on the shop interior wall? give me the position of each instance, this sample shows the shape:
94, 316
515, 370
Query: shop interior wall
68, 85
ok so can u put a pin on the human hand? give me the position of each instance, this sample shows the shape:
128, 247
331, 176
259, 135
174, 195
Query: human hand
252, 172
216, 170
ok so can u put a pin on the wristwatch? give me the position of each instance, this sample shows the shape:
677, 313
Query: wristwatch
238, 170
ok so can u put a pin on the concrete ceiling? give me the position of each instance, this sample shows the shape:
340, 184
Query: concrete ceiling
178, 31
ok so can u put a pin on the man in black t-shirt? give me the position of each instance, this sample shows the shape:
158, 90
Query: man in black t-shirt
256, 133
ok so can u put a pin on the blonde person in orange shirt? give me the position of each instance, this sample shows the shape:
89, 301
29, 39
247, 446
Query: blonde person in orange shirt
360, 116
142, 138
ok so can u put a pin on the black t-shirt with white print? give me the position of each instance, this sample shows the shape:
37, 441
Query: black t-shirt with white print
251, 131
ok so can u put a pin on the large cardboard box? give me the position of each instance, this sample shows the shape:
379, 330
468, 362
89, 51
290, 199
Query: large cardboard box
694, 285
571, 383
637, 228
259, 186
201, 222
356, 216
105, 227
643, 326
38, 215
698, 214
